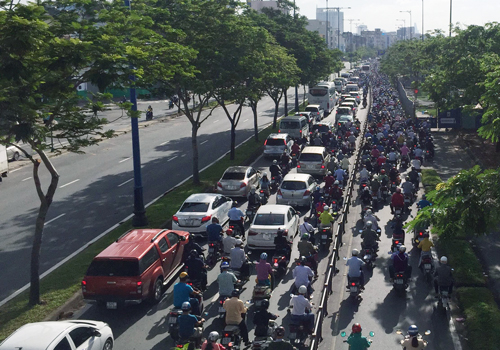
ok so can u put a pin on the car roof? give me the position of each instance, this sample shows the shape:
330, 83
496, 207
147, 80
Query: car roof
294, 117
201, 197
278, 136
345, 117
296, 177
37, 335
325, 122
313, 149
315, 106
273, 208
133, 244
233, 169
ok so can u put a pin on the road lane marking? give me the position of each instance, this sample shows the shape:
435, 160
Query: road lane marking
215, 121
12, 171
164, 143
172, 158
124, 160
54, 219
126, 182
246, 120
26, 179
69, 183
203, 142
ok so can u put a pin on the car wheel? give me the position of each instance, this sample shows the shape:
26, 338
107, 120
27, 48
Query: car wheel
108, 345
16, 156
157, 291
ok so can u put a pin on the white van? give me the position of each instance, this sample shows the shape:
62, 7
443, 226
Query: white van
4, 162
352, 87
296, 126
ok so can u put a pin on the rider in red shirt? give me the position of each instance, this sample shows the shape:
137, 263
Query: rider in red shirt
397, 200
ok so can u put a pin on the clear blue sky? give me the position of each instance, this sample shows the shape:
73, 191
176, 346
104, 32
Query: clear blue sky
383, 14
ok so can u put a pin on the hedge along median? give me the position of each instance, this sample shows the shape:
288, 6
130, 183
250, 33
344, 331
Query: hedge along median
64, 282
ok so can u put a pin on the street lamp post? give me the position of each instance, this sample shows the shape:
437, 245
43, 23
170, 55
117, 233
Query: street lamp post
326, 32
451, 3
139, 219
423, 32
338, 23
409, 11
296, 85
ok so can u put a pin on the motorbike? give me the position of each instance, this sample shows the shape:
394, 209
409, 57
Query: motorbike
400, 332
407, 200
398, 213
149, 115
385, 192
400, 284
354, 288
260, 293
250, 212
237, 273
297, 332
427, 266
262, 343
397, 240
444, 298
280, 263
264, 196
404, 162
173, 326
429, 155
294, 160
222, 311
236, 230
325, 237
213, 253
418, 235
369, 256
394, 185
275, 183
231, 334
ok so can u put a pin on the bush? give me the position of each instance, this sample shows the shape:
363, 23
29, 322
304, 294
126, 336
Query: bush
468, 270
430, 179
482, 318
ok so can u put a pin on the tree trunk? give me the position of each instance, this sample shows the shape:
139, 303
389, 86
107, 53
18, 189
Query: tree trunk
275, 117
45, 202
194, 146
286, 102
304, 100
253, 105
233, 141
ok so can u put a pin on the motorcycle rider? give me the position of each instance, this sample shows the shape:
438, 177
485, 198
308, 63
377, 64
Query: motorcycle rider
423, 202
356, 341
408, 188
394, 175
282, 244
264, 184
383, 178
425, 245
253, 198
355, 264
285, 161
336, 193
264, 270
191, 245
301, 310
296, 148
279, 343
400, 263
275, 170
326, 219
369, 216
211, 342
364, 175
226, 280
214, 232
303, 274
375, 186
306, 227
329, 180
413, 340
339, 175
392, 158
228, 242
443, 276
307, 249
239, 259
397, 200
184, 292
369, 237
261, 319
414, 177
235, 308
149, 113
190, 327
366, 196
197, 269
236, 217
418, 153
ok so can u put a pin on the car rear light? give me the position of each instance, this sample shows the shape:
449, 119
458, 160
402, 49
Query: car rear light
243, 184
84, 286
322, 166
206, 218
265, 143
307, 193
252, 233
219, 184
175, 219
139, 287
284, 142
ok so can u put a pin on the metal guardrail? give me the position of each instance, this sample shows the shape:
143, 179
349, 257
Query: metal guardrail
332, 269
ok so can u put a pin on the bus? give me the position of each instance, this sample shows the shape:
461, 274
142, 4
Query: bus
324, 95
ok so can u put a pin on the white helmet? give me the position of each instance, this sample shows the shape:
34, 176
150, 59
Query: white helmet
444, 260
336, 182
355, 252
369, 212
239, 242
325, 208
402, 249
302, 289
213, 336
275, 161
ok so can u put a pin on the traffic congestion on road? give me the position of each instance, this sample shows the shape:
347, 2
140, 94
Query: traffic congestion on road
306, 246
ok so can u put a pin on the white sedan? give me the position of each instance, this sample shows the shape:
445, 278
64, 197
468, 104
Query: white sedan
61, 335
197, 211
268, 219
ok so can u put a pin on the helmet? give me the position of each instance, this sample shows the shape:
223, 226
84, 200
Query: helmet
407, 178
235, 204
214, 219
402, 249
186, 306
424, 196
224, 265
356, 328
263, 256
355, 252
264, 303
369, 224
303, 259
382, 171
193, 253
280, 331
183, 275
325, 208
213, 336
369, 212
317, 188
306, 219
264, 174
252, 189
275, 162
280, 232
229, 232
239, 242
305, 237
329, 173
235, 293
412, 330
336, 182
302, 289
321, 199
444, 260
398, 190
426, 235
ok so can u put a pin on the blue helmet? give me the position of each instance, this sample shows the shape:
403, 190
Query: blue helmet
413, 330
224, 265
186, 306
263, 256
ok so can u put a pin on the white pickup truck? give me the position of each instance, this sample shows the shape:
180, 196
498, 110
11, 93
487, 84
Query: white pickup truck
4, 162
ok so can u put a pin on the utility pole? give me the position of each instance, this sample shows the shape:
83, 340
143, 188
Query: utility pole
338, 23
451, 3
423, 32
296, 85
326, 31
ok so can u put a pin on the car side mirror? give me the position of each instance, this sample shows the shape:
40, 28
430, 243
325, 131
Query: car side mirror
183, 238
96, 333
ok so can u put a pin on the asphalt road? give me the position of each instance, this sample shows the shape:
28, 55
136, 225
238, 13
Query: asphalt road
96, 188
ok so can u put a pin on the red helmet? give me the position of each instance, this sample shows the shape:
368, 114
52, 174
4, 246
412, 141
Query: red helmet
356, 328
382, 171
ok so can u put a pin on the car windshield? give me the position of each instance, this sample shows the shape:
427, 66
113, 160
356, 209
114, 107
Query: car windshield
233, 176
321, 128
275, 142
344, 111
269, 219
312, 109
190, 207
293, 185
114, 267
289, 124
311, 157
344, 119
318, 91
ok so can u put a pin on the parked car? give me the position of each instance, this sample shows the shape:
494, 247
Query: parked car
135, 267
61, 335
238, 180
13, 153
197, 211
268, 219
275, 144
296, 189
314, 160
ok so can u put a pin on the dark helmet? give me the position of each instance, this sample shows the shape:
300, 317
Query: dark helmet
235, 293
186, 306
280, 331
193, 254
264, 304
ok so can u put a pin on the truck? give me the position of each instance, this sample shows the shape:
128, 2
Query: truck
4, 162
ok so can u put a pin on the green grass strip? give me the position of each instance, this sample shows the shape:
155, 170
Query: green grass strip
430, 179
482, 318
61, 284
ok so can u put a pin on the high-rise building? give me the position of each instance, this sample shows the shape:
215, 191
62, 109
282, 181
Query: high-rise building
333, 17
361, 28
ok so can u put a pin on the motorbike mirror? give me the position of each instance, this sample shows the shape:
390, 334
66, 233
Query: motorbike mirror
427, 332
360, 231
343, 334
371, 334
399, 331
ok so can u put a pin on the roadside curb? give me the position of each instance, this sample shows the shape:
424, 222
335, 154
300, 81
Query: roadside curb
66, 310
